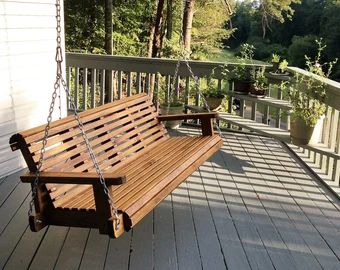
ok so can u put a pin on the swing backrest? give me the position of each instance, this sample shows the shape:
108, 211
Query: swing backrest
116, 131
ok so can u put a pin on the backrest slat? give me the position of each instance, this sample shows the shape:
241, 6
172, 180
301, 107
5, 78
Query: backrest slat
117, 131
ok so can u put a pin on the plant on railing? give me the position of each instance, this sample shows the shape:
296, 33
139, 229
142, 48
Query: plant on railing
275, 61
240, 74
260, 84
307, 96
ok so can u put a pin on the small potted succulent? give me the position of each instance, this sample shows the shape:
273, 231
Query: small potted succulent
260, 86
240, 75
279, 71
275, 61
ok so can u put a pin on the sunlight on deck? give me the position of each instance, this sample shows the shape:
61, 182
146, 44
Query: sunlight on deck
251, 206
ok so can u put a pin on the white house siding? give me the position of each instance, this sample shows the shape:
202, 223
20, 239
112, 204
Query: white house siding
27, 71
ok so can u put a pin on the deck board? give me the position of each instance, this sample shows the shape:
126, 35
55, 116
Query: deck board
251, 206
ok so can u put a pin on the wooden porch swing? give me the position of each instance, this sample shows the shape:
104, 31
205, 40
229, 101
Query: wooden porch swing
107, 167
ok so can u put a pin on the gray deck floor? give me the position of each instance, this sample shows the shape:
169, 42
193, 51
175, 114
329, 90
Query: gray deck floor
251, 206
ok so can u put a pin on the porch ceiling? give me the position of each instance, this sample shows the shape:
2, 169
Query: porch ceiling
251, 206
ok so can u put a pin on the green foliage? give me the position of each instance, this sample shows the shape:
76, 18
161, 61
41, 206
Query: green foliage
301, 46
275, 58
240, 72
208, 27
81, 25
260, 80
283, 66
307, 94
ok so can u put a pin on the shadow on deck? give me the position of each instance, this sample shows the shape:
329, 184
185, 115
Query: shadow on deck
251, 206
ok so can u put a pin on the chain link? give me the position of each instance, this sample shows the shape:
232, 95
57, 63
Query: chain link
60, 79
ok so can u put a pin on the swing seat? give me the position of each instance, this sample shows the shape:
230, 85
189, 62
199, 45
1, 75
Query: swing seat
141, 164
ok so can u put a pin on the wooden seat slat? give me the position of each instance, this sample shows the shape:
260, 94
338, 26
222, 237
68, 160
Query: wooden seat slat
129, 141
144, 170
164, 167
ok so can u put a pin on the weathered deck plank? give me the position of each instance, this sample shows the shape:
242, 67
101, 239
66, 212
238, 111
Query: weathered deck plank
188, 256
7, 185
208, 242
95, 251
48, 252
141, 245
164, 237
72, 250
252, 206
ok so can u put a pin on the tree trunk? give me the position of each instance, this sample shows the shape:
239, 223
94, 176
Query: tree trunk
108, 27
108, 46
152, 29
156, 45
187, 23
169, 19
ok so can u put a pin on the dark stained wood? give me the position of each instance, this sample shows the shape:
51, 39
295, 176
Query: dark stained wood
140, 162
187, 116
78, 178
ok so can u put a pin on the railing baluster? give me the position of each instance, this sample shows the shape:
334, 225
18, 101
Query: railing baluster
138, 82
128, 84
76, 88
93, 87
156, 91
102, 87
279, 111
85, 88
110, 85
253, 110
147, 83
69, 76
120, 84
167, 89
186, 93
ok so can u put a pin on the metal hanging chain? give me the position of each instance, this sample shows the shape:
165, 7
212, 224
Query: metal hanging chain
185, 57
60, 80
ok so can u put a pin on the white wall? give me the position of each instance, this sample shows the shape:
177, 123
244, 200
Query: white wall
27, 71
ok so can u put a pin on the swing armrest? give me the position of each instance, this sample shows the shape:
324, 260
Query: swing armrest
79, 178
200, 116
207, 126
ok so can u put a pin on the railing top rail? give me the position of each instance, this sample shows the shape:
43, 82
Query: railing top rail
332, 87
167, 67
151, 65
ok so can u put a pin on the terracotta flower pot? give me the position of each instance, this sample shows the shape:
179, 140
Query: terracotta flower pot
169, 111
300, 132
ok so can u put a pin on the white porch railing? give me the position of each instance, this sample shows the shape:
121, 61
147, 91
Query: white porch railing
91, 86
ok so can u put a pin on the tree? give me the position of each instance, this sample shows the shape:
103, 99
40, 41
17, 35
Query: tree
188, 14
275, 10
108, 27
157, 37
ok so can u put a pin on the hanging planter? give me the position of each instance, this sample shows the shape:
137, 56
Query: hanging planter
214, 101
174, 108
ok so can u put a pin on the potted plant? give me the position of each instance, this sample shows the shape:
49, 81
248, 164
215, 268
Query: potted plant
307, 96
260, 86
172, 105
213, 98
275, 61
241, 75
279, 73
